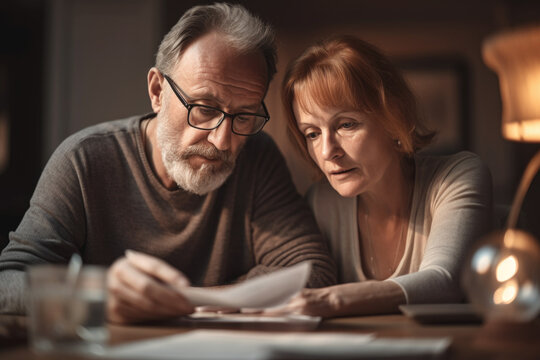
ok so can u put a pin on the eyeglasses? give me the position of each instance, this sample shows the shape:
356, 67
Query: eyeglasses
205, 117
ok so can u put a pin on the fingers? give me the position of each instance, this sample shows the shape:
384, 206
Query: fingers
312, 302
157, 268
144, 290
122, 312
144, 287
296, 305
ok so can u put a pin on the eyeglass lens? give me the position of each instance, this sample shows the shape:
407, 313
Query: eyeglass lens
208, 118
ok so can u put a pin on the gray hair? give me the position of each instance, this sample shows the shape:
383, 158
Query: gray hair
244, 31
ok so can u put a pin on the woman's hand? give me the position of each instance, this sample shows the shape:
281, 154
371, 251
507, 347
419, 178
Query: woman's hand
361, 298
315, 302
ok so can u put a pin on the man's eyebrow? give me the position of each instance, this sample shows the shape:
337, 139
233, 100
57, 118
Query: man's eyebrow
252, 109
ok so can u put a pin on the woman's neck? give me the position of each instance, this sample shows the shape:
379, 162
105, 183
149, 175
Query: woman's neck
383, 217
392, 196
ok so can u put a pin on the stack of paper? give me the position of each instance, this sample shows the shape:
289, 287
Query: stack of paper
241, 345
263, 292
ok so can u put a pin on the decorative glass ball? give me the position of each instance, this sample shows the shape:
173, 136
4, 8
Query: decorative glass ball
501, 276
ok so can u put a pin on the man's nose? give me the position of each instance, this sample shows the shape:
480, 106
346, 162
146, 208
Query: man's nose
221, 136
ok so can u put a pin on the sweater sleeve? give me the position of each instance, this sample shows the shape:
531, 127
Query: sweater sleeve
53, 227
459, 201
284, 231
51, 230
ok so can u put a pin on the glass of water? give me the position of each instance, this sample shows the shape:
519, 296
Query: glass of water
67, 315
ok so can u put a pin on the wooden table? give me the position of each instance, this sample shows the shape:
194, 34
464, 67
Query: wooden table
469, 341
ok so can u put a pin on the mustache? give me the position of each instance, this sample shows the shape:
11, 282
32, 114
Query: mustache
208, 151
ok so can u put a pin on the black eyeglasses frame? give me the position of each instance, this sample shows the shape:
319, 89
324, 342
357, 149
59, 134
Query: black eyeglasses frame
189, 106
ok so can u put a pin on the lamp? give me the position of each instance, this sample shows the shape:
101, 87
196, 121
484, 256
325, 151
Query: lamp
515, 56
502, 274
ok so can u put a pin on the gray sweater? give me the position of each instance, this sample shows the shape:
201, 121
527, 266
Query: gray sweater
98, 196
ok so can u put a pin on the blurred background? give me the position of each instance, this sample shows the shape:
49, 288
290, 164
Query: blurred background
68, 64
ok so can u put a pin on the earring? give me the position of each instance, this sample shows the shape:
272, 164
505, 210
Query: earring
398, 142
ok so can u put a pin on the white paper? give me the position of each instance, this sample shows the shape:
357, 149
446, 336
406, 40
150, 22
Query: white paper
239, 345
260, 292
305, 321
289, 322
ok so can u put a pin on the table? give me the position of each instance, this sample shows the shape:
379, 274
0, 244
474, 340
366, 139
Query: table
469, 341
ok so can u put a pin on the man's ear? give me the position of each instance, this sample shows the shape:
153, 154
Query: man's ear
155, 89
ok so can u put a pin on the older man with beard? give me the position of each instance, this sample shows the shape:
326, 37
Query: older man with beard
192, 193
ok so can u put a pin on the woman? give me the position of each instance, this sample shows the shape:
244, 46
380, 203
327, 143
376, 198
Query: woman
398, 222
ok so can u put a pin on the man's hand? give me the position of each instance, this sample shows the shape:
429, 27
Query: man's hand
142, 287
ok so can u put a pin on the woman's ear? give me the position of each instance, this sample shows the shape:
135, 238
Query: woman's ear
155, 89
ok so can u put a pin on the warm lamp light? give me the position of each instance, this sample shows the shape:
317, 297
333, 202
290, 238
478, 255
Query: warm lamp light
515, 56
502, 274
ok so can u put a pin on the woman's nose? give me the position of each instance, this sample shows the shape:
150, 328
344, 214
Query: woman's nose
331, 148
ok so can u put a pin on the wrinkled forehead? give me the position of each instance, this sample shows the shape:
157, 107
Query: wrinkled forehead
212, 56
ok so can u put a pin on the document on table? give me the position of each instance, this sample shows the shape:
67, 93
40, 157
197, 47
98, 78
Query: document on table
202, 317
261, 292
240, 345
288, 322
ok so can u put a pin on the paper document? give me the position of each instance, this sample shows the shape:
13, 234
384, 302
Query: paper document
239, 345
264, 291
201, 317
288, 321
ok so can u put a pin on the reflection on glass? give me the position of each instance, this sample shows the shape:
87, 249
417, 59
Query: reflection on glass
506, 293
501, 276
507, 268
482, 259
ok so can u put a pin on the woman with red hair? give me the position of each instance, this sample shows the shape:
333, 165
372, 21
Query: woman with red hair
398, 222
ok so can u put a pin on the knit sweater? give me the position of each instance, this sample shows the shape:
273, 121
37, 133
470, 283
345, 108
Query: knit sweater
99, 196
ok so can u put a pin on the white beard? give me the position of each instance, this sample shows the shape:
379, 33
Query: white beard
176, 160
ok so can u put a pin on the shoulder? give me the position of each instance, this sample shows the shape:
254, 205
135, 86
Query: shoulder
96, 137
260, 143
458, 176
464, 164
96, 133
260, 153
109, 140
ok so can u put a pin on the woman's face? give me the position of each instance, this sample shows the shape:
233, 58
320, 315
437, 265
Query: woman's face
350, 147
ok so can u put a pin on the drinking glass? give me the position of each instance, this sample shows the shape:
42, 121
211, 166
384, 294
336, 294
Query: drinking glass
64, 314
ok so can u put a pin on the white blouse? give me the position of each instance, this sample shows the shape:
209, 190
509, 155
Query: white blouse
451, 208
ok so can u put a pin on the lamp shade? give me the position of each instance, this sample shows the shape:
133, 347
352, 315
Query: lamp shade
515, 57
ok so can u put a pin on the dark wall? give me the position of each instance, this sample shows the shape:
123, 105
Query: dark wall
21, 97
22, 47
482, 17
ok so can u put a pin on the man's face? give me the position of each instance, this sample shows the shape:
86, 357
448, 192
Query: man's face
208, 73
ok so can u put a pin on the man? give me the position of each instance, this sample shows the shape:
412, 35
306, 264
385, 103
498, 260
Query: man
194, 190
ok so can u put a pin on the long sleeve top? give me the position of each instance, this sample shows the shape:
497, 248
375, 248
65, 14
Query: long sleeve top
451, 208
98, 196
